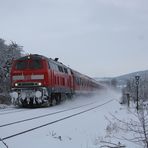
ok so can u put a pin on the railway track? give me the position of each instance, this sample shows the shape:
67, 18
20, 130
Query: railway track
75, 111
45, 115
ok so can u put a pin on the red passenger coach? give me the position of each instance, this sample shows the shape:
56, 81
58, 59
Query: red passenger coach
84, 84
40, 81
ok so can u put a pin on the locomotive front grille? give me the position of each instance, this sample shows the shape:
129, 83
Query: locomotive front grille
27, 84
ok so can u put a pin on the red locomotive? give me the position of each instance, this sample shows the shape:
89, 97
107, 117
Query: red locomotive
37, 81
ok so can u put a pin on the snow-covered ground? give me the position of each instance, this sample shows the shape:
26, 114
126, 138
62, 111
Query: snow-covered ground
85, 130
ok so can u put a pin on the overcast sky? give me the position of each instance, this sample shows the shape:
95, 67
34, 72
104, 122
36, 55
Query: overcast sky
96, 37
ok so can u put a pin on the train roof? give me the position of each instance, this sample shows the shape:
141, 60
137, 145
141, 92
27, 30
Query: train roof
36, 56
31, 56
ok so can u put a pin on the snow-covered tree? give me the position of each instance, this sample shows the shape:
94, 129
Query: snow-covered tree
7, 54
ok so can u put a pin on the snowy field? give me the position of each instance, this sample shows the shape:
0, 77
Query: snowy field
84, 130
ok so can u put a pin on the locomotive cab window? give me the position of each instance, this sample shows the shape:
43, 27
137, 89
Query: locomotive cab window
20, 65
35, 64
28, 64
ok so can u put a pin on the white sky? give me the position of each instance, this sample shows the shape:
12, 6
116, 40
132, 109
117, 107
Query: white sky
96, 37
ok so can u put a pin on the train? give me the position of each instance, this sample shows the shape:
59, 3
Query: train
38, 81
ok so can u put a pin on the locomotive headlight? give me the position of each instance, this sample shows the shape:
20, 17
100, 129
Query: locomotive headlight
39, 84
16, 84
38, 94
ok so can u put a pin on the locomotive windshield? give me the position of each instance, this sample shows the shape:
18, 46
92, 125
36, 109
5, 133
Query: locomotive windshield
20, 65
28, 64
35, 64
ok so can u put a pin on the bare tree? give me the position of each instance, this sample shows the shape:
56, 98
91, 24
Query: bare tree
137, 127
